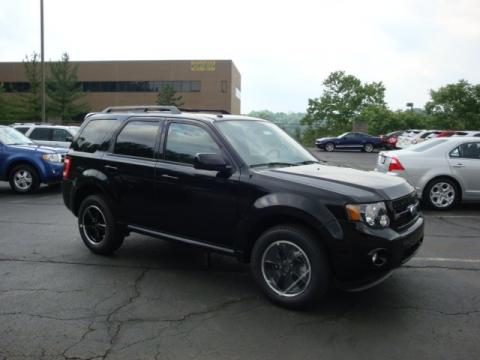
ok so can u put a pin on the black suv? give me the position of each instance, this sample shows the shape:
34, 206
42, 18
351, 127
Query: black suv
239, 186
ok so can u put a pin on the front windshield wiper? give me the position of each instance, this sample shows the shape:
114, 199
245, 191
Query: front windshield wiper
272, 164
307, 162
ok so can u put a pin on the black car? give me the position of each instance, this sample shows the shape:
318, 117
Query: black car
242, 187
350, 140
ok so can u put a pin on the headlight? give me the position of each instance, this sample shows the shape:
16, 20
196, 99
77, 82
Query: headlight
54, 158
374, 215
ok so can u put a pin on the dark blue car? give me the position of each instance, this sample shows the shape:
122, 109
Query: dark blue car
350, 140
25, 164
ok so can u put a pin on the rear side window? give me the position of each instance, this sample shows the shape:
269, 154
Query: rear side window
184, 141
23, 130
466, 151
44, 134
137, 138
95, 136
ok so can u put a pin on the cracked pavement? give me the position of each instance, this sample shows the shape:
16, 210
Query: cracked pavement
159, 300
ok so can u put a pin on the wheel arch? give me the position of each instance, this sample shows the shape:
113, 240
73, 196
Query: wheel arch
449, 177
22, 161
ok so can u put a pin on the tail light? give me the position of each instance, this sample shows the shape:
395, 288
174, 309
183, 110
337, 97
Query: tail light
395, 164
67, 164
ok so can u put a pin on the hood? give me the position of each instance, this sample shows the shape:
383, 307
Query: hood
40, 148
357, 185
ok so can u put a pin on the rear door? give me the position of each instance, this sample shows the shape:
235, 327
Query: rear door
130, 166
195, 204
42, 135
465, 164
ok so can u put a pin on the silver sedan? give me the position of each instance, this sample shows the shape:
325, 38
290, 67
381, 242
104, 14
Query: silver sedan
444, 171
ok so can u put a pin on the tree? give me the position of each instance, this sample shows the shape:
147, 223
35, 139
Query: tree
64, 92
4, 110
31, 100
455, 106
343, 101
167, 96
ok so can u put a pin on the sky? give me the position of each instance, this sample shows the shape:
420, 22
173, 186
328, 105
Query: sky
283, 49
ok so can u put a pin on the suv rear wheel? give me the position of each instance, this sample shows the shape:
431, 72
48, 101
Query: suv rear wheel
24, 179
97, 226
290, 266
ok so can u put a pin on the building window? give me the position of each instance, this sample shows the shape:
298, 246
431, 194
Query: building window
119, 86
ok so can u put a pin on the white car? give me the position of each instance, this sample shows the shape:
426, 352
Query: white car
444, 171
48, 134
467, 133
417, 137
405, 138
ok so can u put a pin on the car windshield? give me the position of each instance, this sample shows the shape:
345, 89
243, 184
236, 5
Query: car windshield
344, 134
10, 136
261, 143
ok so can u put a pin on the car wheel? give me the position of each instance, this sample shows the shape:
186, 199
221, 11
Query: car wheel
329, 147
368, 147
441, 194
24, 179
290, 266
97, 226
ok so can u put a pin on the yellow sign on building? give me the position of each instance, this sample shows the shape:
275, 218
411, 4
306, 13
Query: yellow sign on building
202, 65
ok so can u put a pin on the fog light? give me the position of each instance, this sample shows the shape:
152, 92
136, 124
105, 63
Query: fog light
378, 257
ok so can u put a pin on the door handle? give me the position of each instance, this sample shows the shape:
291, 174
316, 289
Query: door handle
459, 165
165, 176
109, 167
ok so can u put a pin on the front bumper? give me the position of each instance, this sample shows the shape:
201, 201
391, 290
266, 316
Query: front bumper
52, 172
357, 270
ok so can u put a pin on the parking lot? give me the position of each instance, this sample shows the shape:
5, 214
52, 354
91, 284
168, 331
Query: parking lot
159, 300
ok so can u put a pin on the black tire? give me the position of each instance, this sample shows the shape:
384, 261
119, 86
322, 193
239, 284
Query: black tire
319, 280
449, 187
24, 179
368, 147
329, 147
94, 210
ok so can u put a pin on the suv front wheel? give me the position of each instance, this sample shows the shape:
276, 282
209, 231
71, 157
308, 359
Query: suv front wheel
97, 226
24, 179
291, 266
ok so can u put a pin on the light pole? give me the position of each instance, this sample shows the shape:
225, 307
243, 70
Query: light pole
42, 66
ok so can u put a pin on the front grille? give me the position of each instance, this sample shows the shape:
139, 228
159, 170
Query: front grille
402, 211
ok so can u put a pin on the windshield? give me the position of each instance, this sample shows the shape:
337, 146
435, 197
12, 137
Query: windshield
340, 136
10, 136
261, 143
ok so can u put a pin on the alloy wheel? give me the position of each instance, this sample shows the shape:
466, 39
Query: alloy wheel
23, 179
94, 225
286, 268
442, 194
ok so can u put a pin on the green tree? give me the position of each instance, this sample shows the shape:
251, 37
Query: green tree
455, 106
168, 96
66, 98
31, 101
343, 101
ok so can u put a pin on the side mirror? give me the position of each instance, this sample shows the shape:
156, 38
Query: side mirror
69, 139
212, 162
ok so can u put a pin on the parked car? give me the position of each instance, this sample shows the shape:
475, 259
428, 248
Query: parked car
452, 174
25, 165
48, 134
389, 141
405, 138
467, 133
242, 187
440, 134
416, 137
350, 140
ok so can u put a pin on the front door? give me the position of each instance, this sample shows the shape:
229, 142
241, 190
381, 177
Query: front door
196, 204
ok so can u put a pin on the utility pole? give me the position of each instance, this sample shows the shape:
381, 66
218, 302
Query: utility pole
42, 54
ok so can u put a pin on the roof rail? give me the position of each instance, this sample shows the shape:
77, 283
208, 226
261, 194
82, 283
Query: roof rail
209, 111
143, 108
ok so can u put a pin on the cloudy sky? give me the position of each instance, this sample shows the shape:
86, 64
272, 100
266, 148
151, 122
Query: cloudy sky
283, 49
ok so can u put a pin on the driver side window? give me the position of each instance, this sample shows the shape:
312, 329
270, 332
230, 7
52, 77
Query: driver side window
184, 141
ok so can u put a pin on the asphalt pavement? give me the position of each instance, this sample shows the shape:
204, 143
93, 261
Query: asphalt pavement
159, 300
